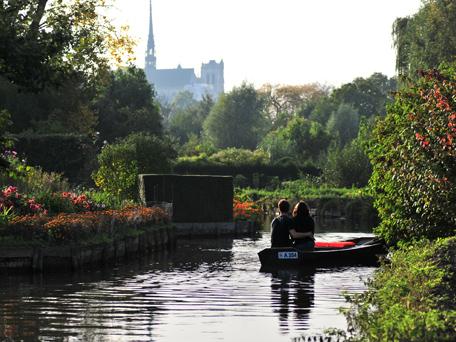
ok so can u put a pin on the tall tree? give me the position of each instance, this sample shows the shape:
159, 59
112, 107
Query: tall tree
343, 124
188, 121
299, 141
427, 38
127, 105
236, 120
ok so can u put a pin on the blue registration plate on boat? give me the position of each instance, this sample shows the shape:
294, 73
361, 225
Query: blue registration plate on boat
288, 255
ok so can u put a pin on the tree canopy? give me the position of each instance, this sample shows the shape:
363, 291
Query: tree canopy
236, 120
47, 41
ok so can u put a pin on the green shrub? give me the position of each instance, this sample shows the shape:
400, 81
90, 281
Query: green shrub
239, 156
411, 298
413, 154
253, 165
121, 163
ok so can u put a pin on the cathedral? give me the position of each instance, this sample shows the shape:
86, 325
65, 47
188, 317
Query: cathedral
169, 82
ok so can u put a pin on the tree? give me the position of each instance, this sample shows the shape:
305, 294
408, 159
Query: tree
413, 153
285, 101
368, 96
47, 41
319, 110
188, 121
127, 105
236, 120
298, 142
343, 124
426, 39
348, 166
66, 109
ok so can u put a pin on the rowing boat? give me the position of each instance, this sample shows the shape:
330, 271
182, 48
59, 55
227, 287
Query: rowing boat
359, 251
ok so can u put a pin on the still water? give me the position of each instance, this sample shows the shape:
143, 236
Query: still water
204, 290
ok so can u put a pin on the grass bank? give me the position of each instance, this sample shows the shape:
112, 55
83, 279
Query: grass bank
297, 190
410, 298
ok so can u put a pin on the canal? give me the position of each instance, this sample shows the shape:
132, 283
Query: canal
203, 290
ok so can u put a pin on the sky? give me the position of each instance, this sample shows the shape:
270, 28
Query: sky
270, 41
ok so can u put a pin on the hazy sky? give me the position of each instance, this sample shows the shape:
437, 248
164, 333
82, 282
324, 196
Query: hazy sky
271, 41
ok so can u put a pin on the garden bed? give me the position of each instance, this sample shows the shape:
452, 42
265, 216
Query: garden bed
74, 241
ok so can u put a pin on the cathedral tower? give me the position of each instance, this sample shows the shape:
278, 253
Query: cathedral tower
151, 60
212, 73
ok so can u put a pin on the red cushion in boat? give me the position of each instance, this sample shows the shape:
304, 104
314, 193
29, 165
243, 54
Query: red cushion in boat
334, 244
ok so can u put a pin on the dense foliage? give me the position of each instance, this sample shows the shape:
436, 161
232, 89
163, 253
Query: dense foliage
426, 39
347, 166
413, 153
411, 298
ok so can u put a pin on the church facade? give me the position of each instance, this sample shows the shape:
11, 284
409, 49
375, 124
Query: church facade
169, 82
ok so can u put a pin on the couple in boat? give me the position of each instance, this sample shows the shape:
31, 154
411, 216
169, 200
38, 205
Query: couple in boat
296, 230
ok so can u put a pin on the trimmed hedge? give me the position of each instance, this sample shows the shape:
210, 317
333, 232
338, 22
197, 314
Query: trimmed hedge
257, 174
70, 154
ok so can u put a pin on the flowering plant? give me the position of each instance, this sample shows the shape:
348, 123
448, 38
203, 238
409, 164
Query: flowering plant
79, 226
413, 153
12, 200
245, 211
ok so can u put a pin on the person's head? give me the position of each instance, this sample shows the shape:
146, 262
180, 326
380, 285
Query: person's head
284, 206
301, 209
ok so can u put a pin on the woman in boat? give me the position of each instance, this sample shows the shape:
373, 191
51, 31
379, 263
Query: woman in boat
303, 223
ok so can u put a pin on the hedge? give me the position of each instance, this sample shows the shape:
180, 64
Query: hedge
70, 154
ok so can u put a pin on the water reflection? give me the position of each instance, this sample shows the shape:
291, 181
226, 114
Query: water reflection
292, 293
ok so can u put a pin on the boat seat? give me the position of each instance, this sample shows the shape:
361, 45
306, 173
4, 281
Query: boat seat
334, 244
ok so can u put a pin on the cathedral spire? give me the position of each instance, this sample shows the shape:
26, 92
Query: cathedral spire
151, 60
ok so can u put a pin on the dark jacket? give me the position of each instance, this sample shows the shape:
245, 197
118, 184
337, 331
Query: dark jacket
304, 225
280, 231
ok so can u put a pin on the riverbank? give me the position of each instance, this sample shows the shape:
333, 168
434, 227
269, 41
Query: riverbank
76, 241
346, 203
410, 298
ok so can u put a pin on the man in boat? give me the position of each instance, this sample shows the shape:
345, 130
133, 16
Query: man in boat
282, 227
